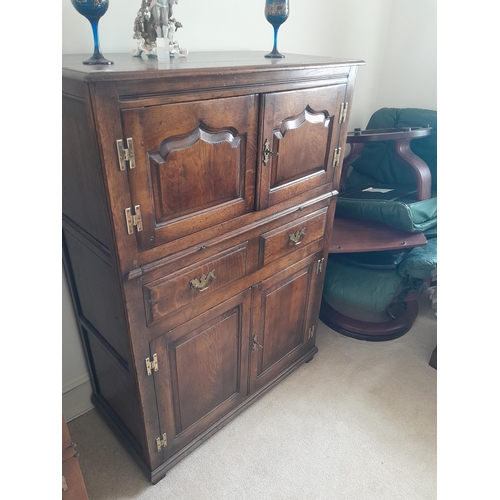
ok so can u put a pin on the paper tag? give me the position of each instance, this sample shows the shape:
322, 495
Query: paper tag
376, 190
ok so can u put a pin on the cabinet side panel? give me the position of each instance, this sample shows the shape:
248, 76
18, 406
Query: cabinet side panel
116, 386
98, 295
83, 194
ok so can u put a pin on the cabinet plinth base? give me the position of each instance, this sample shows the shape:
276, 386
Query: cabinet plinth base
159, 473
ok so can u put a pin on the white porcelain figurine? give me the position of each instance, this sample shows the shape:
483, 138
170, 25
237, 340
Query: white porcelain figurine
155, 20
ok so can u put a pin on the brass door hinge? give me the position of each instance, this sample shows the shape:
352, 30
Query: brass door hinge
161, 442
343, 112
319, 266
125, 155
133, 220
310, 333
64, 484
336, 157
152, 366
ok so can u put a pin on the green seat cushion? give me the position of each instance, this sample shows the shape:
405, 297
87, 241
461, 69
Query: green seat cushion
370, 289
415, 216
380, 167
431, 233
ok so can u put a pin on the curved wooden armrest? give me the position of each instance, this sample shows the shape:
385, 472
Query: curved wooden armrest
402, 138
387, 134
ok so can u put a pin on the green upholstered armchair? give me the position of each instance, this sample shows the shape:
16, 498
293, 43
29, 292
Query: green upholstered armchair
383, 247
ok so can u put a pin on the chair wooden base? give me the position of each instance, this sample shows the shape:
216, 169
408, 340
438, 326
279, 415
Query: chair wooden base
433, 360
371, 331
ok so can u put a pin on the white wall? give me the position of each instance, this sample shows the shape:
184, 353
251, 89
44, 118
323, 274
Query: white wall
76, 386
409, 67
396, 38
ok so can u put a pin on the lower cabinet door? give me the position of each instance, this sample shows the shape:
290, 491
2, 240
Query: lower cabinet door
202, 371
284, 321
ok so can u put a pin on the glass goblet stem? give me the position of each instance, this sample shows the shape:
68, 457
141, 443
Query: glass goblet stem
274, 54
275, 46
97, 49
97, 57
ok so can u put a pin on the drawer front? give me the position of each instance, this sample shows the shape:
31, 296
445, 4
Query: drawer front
286, 239
173, 292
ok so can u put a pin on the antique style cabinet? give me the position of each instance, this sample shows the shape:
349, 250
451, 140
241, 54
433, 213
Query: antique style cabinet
198, 196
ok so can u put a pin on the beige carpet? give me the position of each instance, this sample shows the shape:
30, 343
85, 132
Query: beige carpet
357, 423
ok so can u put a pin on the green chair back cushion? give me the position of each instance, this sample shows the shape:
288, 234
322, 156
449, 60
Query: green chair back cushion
380, 162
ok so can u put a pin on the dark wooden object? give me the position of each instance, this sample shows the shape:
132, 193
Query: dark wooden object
403, 317
198, 200
401, 139
433, 360
356, 235
73, 487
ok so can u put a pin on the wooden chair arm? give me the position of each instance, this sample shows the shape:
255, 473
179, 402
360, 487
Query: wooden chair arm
402, 138
387, 134
355, 152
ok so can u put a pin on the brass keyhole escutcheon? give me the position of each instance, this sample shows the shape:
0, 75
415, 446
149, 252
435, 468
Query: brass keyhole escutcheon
267, 151
256, 343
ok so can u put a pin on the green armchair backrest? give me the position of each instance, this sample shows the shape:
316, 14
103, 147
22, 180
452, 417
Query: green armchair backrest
379, 160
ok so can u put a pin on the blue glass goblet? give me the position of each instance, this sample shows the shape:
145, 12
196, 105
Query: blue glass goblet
93, 10
276, 13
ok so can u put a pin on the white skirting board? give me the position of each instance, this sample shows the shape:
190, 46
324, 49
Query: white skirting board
76, 399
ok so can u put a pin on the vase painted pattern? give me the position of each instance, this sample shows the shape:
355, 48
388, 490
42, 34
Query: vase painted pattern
277, 12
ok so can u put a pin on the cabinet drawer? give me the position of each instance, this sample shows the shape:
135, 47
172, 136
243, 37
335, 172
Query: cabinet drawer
177, 290
285, 239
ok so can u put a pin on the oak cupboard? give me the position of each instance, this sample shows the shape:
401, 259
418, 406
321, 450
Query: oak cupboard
198, 199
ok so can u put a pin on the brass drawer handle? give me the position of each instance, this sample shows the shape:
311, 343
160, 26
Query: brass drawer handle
298, 236
204, 282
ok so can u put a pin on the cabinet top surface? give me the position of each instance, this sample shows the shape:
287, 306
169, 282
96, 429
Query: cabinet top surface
127, 66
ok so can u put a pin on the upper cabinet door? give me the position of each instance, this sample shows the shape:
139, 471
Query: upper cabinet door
194, 165
300, 131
